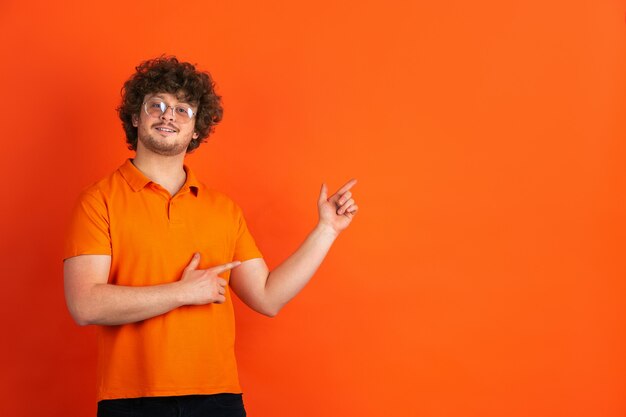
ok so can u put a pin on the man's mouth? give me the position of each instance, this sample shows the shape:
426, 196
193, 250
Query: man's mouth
165, 129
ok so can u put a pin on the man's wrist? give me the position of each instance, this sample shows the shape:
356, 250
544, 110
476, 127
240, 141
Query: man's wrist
178, 293
327, 230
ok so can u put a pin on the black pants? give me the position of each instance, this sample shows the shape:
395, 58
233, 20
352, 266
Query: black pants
218, 405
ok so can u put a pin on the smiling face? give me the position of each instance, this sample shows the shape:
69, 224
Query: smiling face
163, 135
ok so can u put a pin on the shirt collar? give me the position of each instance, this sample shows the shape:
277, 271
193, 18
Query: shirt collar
137, 180
191, 182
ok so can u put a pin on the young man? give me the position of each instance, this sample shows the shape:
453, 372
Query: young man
152, 255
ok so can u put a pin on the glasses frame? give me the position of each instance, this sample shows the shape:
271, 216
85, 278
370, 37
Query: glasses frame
167, 106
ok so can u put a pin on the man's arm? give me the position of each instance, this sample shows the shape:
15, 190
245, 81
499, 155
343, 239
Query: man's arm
268, 292
91, 300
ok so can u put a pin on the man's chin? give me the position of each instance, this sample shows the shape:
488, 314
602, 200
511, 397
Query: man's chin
163, 148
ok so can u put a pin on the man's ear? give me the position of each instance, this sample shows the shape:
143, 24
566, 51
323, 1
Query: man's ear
195, 135
135, 120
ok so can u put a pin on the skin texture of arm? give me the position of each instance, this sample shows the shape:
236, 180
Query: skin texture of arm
91, 300
268, 292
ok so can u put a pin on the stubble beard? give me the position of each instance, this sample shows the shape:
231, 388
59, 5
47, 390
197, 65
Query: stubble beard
161, 147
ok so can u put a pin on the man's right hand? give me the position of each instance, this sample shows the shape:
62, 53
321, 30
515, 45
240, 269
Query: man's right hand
204, 286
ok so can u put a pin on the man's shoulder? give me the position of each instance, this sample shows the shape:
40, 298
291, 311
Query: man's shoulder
103, 185
103, 188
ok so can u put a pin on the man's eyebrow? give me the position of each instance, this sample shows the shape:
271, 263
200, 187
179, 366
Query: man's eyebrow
159, 96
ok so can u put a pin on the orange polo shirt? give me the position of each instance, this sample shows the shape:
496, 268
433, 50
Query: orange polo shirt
151, 237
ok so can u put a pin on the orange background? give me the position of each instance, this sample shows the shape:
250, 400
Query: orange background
485, 273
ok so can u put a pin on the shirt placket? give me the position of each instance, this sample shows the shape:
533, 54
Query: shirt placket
174, 209
172, 204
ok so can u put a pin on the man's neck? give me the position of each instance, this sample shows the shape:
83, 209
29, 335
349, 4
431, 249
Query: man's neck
167, 171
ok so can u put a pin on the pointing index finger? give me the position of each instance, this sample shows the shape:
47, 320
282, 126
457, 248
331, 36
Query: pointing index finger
225, 267
346, 187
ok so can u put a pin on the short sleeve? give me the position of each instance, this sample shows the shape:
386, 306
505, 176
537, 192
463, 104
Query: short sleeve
245, 247
88, 233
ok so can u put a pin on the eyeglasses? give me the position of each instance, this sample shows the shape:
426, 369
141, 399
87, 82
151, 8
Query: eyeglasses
156, 108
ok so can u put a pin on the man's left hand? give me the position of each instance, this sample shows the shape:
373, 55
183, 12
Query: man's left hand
338, 210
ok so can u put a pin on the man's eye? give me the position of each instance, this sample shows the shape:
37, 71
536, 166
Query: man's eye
158, 105
182, 110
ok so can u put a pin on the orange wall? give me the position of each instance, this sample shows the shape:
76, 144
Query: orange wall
485, 274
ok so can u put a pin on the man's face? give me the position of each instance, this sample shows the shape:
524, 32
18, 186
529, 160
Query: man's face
165, 134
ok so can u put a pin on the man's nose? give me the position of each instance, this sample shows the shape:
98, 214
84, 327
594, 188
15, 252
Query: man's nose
168, 114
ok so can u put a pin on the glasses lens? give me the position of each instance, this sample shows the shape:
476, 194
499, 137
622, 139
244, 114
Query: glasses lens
183, 113
155, 108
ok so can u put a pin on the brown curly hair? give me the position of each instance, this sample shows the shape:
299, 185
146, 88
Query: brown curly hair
166, 74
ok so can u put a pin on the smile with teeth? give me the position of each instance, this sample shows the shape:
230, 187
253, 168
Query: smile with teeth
165, 129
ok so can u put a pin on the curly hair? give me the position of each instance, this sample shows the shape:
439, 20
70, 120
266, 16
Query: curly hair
166, 74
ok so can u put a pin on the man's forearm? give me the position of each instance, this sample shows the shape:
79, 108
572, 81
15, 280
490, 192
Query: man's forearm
107, 304
288, 279
91, 300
